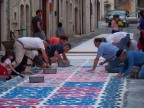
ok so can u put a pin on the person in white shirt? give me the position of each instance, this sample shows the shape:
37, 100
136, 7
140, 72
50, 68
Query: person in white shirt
119, 39
26, 46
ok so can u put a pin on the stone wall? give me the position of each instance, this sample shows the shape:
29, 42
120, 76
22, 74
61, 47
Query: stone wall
74, 14
21, 19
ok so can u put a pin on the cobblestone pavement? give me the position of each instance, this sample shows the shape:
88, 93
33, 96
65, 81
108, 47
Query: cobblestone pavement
134, 97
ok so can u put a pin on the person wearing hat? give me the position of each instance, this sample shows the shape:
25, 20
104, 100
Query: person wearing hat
107, 51
130, 59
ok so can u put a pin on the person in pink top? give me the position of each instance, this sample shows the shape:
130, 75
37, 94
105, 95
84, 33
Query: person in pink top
114, 24
6, 62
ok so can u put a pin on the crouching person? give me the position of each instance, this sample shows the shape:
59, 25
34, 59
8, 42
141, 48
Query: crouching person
119, 39
26, 46
55, 51
131, 59
107, 51
6, 63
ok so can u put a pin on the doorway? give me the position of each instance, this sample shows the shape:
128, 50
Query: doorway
76, 21
27, 21
22, 23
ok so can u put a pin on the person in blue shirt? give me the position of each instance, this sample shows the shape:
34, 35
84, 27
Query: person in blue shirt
131, 59
60, 31
107, 51
55, 51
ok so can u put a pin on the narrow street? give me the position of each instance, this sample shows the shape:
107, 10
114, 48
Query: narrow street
74, 87
35, 34
134, 89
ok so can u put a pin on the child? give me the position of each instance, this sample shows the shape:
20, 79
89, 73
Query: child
60, 31
114, 24
6, 62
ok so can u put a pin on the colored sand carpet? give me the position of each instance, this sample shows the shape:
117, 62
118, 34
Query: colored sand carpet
71, 87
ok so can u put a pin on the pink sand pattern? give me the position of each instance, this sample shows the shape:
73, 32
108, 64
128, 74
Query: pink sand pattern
19, 101
84, 76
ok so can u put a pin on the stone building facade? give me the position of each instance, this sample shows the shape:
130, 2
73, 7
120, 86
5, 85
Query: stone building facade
78, 16
127, 5
107, 5
3, 21
16, 15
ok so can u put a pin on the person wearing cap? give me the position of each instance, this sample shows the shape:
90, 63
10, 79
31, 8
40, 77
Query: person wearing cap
130, 59
119, 39
28, 46
107, 51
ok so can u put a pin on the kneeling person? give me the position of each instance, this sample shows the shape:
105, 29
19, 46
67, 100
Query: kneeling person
131, 59
25, 46
107, 51
55, 51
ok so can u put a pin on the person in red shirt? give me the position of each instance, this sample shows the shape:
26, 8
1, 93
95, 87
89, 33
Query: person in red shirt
55, 40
